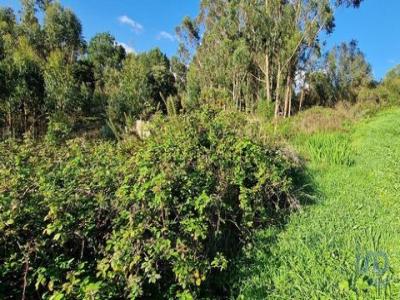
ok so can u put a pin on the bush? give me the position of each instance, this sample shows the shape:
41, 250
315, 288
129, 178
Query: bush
59, 128
158, 219
189, 199
55, 217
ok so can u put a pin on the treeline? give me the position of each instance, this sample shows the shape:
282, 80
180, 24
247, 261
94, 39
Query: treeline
252, 56
247, 53
50, 75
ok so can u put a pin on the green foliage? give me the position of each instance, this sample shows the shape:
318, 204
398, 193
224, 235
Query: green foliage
389, 90
159, 75
46, 68
61, 89
62, 29
141, 88
262, 46
132, 95
59, 128
104, 53
348, 70
190, 196
346, 76
24, 92
56, 209
159, 218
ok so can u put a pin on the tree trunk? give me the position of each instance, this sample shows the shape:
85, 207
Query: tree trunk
287, 94
277, 93
290, 99
302, 94
267, 79
25, 118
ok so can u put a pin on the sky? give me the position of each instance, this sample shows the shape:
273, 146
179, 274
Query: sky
140, 25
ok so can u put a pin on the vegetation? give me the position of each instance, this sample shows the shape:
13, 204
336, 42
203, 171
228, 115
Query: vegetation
223, 172
47, 70
85, 219
321, 253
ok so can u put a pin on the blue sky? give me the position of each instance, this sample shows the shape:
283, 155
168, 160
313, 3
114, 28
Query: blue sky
144, 24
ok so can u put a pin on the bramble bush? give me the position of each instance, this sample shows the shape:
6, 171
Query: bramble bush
158, 219
55, 217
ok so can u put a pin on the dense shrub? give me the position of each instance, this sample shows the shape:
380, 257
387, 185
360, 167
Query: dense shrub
55, 212
153, 219
59, 128
188, 200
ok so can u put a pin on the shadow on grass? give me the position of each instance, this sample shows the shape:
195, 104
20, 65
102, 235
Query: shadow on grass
257, 255
252, 257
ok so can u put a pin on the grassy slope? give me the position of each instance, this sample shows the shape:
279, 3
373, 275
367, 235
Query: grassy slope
358, 210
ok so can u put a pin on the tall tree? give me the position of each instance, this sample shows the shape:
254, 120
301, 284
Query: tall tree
278, 37
61, 89
348, 70
104, 53
63, 30
158, 71
129, 93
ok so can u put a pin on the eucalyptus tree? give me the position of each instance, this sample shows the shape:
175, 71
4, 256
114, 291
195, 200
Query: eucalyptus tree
276, 36
221, 66
104, 52
24, 100
7, 43
22, 89
63, 30
29, 26
129, 93
348, 70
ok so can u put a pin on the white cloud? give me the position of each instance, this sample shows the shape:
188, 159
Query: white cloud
137, 27
127, 48
166, 35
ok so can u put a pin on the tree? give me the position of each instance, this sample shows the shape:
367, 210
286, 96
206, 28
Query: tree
129, 93
29, 26
7, 40
24, 100
61, 89
189, 35
140, 88
103, 53
160, 78
278, 37
348, 70
339, 76
63, 30
389, 89
83, 73
43, 4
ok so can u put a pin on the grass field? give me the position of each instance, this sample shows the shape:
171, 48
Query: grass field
346, 245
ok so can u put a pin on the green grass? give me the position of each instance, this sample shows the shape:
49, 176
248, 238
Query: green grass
357, 175
329, 148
